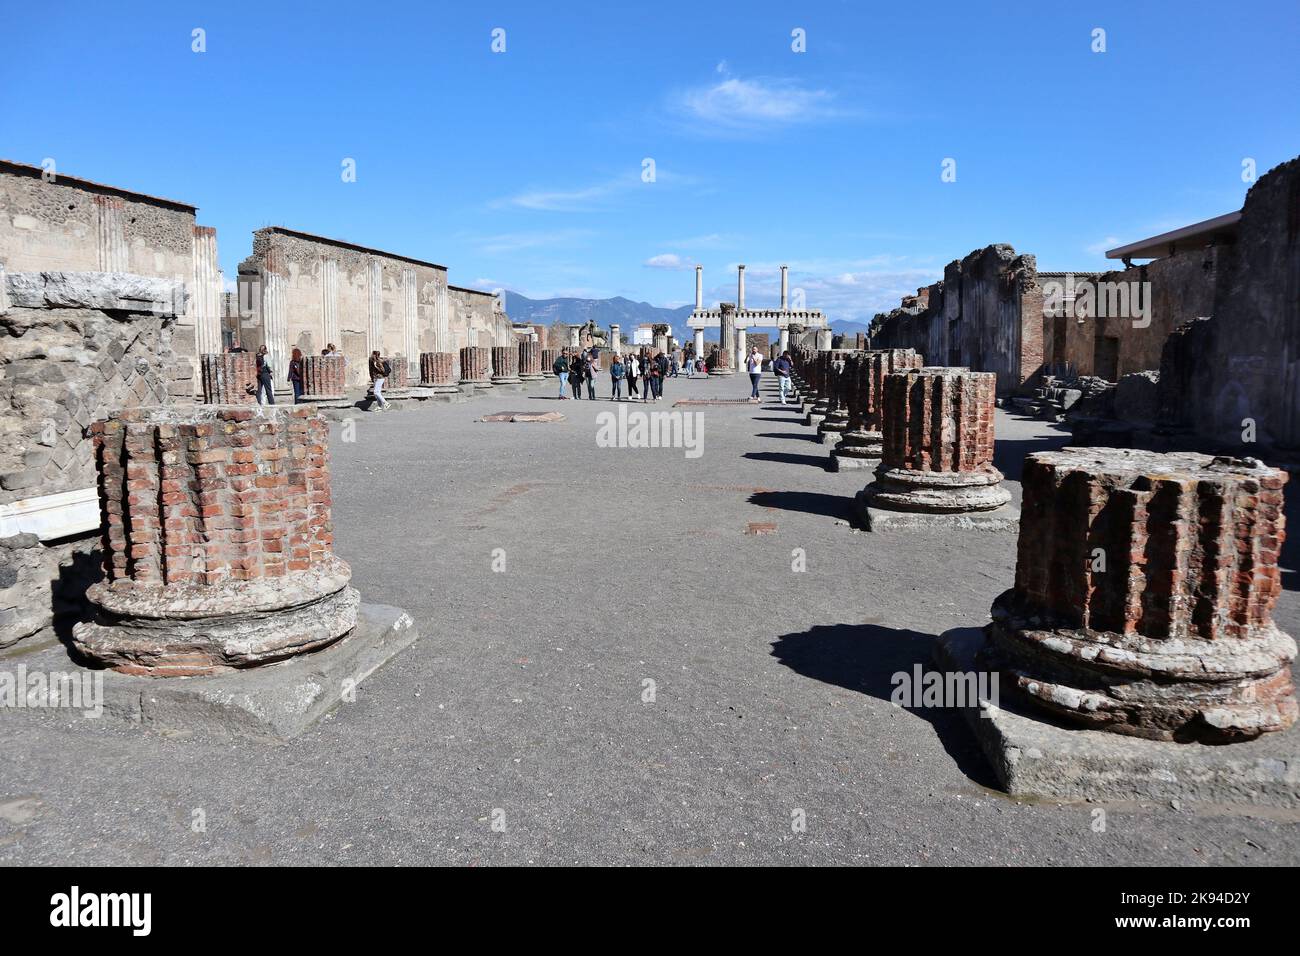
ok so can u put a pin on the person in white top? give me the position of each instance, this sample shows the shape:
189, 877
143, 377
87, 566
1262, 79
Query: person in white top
754, 366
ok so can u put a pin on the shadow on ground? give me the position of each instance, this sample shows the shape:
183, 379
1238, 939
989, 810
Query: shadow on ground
810, 436
1009, 454
864, 658
818, 461
808, 502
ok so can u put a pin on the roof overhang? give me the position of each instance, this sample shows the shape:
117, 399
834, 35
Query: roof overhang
1196, 236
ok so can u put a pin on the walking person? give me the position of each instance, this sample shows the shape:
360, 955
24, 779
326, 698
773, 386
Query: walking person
295, 374
591, 367
661, 366
783, 367
264, 379
617, 371
576, 374
630, 363
646, 363
754, 366
380, 369
561, 369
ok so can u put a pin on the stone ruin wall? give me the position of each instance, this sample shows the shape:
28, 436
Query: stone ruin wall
1243, 362
75, 346
323, 290
475, 321
985, 315
72, 225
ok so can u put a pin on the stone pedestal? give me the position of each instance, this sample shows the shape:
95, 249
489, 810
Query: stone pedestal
438, 372
937, 468
505, 365
530, 361
229, 378
323, 378
217, 538
862, 443
474, 363
399, 379
1144, 592
548, 362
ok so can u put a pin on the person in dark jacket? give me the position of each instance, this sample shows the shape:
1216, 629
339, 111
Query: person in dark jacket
561, 369
629, 362
617, 372
295, 374
591, 365
264, 379
577, 372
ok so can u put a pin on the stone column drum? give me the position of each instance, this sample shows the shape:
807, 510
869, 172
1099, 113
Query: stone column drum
400, 378
530, 361
505, 365
1144, 592
938, 453
217, 538
862, 441
229, 378
438, 372
323, 378
548, 362
474, 360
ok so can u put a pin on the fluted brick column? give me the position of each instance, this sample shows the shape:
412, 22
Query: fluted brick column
229, 378
323, 377
821, 389
530, 361
1144, 592
548, 362
938, 451
862, 441
438, 371
217, 539
836, 422
474, 363
400, 378
505, 365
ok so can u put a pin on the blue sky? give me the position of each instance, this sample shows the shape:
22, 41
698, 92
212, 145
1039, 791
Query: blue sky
523, 169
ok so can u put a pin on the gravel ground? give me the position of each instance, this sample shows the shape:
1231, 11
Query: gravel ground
523, 701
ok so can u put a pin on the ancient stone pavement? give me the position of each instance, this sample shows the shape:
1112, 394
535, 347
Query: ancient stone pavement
550, 580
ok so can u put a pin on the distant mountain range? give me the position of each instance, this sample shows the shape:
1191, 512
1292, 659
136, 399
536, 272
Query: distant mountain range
625, 312
604, 312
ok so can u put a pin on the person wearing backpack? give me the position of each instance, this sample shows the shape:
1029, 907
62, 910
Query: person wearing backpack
616, 373
380, 369
264, 378
561, 369
661, 368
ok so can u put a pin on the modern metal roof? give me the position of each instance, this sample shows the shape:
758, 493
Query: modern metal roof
1195, 236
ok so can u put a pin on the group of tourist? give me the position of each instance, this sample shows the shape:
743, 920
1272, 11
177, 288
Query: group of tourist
265, 388
573, 367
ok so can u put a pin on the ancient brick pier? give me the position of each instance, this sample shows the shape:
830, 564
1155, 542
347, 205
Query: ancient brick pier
820, 394
229, 378
726, 363
862, 442
438, 371
474, 363
323, 377
937, 465
548, 362
1144, 592
505, 365
530, 361
217, 539
400, 377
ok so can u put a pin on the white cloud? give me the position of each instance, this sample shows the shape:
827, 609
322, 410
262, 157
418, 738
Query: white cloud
670, 261
1099, 248
735, 105
562, 200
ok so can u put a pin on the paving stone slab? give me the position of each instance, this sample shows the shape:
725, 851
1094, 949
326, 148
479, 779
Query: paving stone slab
271, 703
1034, 757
